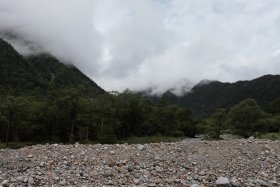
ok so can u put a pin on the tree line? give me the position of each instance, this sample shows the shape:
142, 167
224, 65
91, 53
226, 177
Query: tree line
244, 119
67, 116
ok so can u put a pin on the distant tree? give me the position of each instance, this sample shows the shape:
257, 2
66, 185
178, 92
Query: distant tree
31, 125
187, 125
218, 123
105, 112
246, 118
12, 109
86, 118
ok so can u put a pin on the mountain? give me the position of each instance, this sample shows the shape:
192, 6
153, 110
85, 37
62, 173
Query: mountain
41, 73
204, 99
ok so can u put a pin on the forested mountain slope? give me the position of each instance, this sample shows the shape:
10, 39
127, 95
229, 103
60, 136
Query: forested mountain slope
204, 99
39, 74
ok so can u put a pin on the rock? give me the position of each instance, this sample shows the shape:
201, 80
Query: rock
63, 182
30, 181
25, 179
5, 182
140, 147
264, 174
19, 179
112, 152
77, 144
30, 156
234, 182
108, 173
261, 183
136, 181
157, 168
111, 163
194, 163
222, 181
274, 183
195, 185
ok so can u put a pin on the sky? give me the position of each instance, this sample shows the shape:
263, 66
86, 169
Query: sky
158, 44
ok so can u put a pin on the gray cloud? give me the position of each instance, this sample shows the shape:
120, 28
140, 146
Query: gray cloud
158, 44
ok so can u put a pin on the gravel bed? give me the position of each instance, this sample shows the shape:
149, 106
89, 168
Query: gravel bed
195, 163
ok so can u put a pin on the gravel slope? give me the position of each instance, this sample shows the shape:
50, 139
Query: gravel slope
186, 163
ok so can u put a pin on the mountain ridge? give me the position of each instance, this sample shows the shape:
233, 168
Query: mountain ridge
204, 99
41, 72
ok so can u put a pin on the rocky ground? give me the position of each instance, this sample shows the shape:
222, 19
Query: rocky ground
186, 163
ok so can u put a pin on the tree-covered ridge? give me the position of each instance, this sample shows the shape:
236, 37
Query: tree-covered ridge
39, 74
52, 74
204, 99
15, 71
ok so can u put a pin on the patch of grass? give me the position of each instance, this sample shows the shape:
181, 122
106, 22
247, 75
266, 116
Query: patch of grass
15, 145
151, 139
270, 136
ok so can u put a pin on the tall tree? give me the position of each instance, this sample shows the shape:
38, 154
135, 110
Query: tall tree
246, 118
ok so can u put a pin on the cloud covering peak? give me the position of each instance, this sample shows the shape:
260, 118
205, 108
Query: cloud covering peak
150, 43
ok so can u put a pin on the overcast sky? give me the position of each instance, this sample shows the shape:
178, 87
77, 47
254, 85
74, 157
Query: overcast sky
162, 44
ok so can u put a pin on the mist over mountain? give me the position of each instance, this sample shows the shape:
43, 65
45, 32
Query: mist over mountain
142, 44
44, 72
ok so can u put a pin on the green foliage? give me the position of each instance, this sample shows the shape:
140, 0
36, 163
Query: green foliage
68, 116
246, 118
212, 127
204, 99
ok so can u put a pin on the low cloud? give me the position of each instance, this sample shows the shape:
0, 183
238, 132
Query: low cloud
142, 44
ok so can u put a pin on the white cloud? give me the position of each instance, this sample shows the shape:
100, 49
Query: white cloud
152, 43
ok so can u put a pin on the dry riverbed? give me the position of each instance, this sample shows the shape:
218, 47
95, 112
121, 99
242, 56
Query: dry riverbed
187, 163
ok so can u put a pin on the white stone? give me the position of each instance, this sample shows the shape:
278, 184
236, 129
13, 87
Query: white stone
234, 182
195, 185
112, 152
140, 147
222, 181
31, 181
5, 182
136, 181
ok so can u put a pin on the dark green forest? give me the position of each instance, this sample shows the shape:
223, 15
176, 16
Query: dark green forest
204, 99
43, 100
